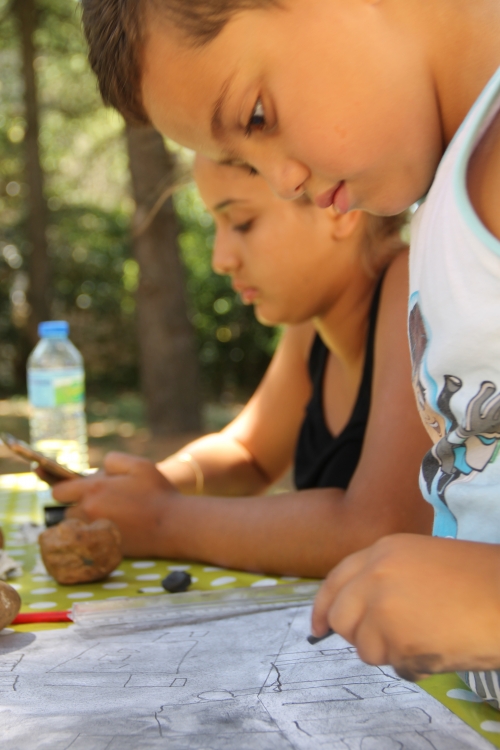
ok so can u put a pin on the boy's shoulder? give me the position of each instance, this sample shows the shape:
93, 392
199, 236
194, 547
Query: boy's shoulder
483, 179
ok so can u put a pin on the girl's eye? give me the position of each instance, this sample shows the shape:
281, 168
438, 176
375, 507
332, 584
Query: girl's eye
243, 228
257, 119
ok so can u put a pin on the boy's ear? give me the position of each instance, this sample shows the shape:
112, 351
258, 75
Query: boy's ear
344, 225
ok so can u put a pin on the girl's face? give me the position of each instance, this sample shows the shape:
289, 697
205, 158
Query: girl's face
282, 256
330, 97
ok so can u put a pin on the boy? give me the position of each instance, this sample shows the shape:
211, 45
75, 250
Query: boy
355, 102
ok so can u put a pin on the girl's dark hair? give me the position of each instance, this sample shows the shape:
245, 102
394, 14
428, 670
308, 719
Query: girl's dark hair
115, 34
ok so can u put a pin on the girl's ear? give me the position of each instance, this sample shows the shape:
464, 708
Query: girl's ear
345, 225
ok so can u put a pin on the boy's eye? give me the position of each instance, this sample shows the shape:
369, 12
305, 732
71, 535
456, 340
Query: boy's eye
243, 228
257, 119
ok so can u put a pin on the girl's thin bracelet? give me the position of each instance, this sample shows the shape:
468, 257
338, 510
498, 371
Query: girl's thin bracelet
187, 458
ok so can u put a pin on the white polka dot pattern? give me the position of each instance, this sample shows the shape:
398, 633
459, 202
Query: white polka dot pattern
265, 582
112, 586
223, 581
42, 605
81, 595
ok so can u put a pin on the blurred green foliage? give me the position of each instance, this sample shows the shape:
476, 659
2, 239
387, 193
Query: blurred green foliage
234, 349
89, 212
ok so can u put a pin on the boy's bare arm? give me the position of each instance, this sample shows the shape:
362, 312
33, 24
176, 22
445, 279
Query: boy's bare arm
423, 605
388, 600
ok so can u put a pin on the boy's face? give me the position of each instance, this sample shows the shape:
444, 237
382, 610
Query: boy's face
329, 96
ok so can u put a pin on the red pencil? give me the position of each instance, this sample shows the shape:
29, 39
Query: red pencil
29, 618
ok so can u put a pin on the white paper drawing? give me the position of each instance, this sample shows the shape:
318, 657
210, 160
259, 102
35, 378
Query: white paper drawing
245, 683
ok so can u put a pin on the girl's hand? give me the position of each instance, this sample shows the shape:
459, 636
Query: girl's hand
423, 605
132, 493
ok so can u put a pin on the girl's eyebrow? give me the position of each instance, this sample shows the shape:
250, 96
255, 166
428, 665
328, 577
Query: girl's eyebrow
229, 202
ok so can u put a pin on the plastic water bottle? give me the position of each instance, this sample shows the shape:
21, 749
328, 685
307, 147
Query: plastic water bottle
56, 392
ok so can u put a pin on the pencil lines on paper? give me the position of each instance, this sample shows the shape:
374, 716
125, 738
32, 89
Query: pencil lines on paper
251, 683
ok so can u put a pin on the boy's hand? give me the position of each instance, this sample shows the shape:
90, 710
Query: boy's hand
132, 493
422, 604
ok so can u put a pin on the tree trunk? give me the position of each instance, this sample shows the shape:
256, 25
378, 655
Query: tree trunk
169, 368
39, 292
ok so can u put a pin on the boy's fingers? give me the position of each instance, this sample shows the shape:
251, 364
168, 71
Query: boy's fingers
414, 668
368, 638
348, 616
334, 583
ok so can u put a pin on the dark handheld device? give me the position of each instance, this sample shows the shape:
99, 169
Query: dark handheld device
48, 469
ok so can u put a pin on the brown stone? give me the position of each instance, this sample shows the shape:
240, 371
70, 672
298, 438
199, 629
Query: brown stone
10, 604
76, 552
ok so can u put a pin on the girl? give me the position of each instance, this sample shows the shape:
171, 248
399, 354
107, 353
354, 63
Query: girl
336, 401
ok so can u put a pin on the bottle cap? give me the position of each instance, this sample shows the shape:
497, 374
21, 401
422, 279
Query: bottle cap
53, 329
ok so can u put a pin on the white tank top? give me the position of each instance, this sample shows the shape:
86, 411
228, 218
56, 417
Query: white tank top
454, 328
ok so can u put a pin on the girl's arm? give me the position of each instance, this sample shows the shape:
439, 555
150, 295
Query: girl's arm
303, 533
257, 447
308, 532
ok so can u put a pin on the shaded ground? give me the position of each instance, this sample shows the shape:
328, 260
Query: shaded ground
115, 424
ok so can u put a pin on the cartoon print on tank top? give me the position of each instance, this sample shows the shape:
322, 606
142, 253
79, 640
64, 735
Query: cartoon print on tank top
461, 449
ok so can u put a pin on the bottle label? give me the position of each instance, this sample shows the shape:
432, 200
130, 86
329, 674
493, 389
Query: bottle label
51, 388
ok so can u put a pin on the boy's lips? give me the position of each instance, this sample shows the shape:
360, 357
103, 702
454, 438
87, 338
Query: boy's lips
336, 196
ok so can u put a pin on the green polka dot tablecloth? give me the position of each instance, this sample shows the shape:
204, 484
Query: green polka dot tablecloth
22, 497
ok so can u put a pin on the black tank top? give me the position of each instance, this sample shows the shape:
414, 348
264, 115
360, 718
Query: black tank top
322, 460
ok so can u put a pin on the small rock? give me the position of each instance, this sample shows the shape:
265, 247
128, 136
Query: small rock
10, 604
176, 582
76, 552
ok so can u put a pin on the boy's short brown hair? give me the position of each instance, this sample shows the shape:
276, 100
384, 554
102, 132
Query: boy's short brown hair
115, 35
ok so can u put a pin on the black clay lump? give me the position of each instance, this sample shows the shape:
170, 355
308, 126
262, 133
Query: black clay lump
176, 582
